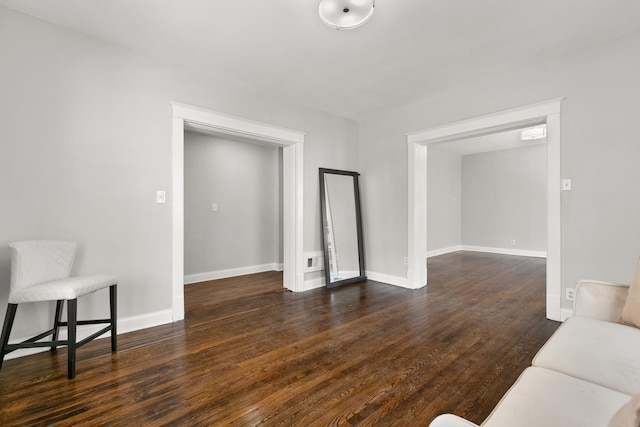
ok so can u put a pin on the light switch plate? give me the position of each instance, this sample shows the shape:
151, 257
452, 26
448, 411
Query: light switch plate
566, 184
161, 196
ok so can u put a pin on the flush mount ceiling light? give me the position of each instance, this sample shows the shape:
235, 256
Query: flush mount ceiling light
536, 132
345, 14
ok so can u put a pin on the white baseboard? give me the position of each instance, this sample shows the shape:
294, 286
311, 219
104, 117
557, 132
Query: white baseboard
565, 313
388, 279
144, 321
505, 251
443, 251
233, 272
128, 324
316, 283
502, 251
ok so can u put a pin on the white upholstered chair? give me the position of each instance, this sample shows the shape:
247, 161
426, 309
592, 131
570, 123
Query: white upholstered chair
40, 271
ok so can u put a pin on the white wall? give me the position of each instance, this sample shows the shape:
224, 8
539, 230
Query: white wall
444, 193
242, 179
504, 198
600, 233
86, 142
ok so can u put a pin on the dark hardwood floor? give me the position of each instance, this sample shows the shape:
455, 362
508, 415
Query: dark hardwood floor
215, 292
364, 354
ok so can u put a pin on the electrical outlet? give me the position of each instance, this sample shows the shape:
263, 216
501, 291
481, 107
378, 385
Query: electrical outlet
314, 261
513, 242
406, 260
571, 294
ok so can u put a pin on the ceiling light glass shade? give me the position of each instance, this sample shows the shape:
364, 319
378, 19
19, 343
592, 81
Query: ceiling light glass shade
345, 14
536, 132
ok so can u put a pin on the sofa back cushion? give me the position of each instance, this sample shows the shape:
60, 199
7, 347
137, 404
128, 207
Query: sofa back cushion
631, 311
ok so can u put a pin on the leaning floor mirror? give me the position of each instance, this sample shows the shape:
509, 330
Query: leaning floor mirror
341, 227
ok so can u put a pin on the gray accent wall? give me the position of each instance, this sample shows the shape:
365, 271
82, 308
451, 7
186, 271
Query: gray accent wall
85, 144
504, 198
443, 199
599, 152
243, 180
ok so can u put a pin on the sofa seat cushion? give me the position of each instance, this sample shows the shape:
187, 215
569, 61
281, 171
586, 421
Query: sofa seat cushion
541, 397
600, 352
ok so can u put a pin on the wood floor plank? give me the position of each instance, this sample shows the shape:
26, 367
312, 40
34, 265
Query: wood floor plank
252, 354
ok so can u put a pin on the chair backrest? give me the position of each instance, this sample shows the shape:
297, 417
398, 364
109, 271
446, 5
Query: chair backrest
39, 261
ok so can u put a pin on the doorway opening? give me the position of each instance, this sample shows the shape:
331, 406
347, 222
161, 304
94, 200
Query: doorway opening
488, 194
536, 114
241, 130
232, 208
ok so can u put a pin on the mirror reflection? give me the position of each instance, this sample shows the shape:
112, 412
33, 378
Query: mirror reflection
341, 227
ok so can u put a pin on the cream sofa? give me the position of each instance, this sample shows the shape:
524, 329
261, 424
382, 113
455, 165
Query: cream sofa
585, 374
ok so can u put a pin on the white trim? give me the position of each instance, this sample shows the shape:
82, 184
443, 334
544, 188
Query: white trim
232, 272
505, 251
236, 126
543, 112
292, 143
128, 324
136, 323
177, 215
442, 251
388, 279
491, 123
554, 218
293, 194
565, 313
417, 214
316, 283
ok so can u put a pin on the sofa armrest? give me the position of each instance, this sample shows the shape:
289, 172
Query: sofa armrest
599, 300
450, 420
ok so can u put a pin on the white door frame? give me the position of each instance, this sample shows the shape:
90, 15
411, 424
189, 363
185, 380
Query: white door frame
240, 128
544, 112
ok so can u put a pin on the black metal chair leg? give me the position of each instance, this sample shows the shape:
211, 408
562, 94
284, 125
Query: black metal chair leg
6, 329
113, 309
72, 312
56, 322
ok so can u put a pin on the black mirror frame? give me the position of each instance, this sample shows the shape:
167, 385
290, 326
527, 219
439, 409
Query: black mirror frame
358, 212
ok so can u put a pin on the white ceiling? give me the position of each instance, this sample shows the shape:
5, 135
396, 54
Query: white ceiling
409, 50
